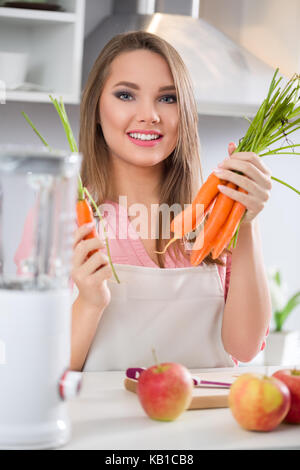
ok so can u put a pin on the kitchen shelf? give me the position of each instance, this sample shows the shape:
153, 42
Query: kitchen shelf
40, 97
18, 15
53, 41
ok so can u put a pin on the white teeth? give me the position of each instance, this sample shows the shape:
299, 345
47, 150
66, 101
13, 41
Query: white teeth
144, 136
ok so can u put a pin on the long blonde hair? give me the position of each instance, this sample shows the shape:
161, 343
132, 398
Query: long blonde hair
182, 169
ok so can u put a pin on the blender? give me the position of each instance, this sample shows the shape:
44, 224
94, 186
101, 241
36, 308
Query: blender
38, 191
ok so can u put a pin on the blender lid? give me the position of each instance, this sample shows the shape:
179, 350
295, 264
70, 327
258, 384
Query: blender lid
24, 159
23, 151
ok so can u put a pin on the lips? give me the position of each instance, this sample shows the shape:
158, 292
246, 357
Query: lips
145, 143
147, 132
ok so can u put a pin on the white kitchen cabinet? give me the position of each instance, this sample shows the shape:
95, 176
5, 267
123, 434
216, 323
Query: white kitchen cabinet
54, 41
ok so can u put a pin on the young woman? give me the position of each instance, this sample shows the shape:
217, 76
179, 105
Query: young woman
139, 141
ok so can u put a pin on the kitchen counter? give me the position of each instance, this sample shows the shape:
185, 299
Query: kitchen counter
106, 416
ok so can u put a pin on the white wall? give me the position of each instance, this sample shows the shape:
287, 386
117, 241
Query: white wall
280, 221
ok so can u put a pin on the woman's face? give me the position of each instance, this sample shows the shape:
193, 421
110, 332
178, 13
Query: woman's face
138, 104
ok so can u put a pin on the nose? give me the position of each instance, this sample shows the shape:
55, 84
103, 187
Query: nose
147, 112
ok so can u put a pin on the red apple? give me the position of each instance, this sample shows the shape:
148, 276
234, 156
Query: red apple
291, 378
259, 402
165, 390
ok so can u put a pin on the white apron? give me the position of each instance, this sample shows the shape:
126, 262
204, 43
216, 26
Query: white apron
176, 311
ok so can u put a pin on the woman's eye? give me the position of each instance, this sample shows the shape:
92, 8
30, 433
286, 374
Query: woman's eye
169, 99
124, 95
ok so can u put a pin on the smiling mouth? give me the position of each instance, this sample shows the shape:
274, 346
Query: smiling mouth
146, 140
144, 137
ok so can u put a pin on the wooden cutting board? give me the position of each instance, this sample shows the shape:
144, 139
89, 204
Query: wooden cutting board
204, 396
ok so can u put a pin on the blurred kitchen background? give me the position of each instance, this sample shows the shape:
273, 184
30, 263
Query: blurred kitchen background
63, 43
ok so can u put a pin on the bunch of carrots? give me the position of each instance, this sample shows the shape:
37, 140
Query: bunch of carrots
277, 117
224, 217
84, 212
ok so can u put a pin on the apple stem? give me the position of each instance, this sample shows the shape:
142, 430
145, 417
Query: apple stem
159, 367
295, 371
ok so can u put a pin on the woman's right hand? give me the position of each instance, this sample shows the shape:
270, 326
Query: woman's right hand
90, 274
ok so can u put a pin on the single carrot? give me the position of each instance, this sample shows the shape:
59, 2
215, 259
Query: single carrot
215, 221
225, 235
85, 215
186, 221
198, 256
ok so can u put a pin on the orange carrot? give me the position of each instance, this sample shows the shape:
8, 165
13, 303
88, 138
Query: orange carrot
85, 216
225, 235
198, 256
215, 221
186, 221
199, 220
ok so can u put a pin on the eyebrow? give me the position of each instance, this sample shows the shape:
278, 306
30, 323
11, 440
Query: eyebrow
136, 87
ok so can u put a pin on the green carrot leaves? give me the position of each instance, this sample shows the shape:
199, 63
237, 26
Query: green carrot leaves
35, 130
277, 117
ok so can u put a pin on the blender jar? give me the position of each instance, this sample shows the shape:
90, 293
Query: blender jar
38, 191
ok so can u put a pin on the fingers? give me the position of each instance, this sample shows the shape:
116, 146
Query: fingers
251, 203
104, 273
82, 247
82, 232
259, 188
250, 169
231, 148
96, 267
253, 159
246, 170
250, 174
93, 264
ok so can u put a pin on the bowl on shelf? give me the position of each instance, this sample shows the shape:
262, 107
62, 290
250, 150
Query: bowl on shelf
13, 68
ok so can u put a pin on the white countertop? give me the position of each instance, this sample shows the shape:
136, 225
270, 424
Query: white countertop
106, 416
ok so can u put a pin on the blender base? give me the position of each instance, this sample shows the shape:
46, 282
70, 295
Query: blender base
35, 328
47, 445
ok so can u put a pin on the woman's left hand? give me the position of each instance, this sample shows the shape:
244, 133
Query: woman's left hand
256, 180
